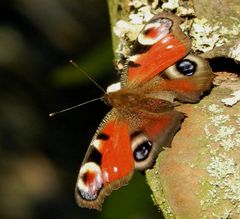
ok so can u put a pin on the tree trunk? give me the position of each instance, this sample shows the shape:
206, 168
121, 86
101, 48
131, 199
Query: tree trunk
199, 175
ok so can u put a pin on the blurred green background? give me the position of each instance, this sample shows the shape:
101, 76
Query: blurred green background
40, 156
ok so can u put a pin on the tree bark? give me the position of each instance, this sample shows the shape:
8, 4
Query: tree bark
199, 175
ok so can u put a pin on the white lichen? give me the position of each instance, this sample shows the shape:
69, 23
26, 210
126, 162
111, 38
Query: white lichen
217, 120
136, 3
205, 36
171, 4
225, 215
223, 167
223, 132
233, 30
140, 12
238, 120
234, 52
232, 100
126, 29
206, 130
214, 108
228, 143
224, 135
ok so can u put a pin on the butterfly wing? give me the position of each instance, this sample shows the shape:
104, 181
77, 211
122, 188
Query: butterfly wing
132, 136
186, 80
160, 44
108, 163
119, 147
152, 134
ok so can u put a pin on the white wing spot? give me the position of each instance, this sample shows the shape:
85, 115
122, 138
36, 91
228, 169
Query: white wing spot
114, 87
96, 143
115, 169
105, 176
169, 47
165, 40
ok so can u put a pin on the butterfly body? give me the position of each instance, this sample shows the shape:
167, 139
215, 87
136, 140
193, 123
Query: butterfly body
143, 120
137, 99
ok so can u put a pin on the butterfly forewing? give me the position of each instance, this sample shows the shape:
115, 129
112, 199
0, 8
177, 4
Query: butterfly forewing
108, 164
160, 44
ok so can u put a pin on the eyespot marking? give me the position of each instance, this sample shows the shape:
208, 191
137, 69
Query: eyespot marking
138, 48
155, 31
142, 151
186, 67
135, 134
133, 64
141, 146
102, 136
95, 156
90, 181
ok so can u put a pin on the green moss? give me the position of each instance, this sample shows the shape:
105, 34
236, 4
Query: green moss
155, 182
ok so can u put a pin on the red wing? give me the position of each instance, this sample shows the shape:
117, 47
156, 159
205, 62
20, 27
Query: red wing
187, 80
119, 147
154, 133
160, 44
108, 164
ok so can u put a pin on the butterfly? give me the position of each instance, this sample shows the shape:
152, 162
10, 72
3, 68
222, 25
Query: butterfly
160, 72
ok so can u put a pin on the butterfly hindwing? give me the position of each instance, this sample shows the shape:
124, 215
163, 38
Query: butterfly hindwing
118, 148
185, 81
152, 135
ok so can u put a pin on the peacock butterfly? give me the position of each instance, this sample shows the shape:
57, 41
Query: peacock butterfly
143, 120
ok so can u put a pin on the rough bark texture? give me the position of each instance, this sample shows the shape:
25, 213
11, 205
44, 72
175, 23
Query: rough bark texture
199, 175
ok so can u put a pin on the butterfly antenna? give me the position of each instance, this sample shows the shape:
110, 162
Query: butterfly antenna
73, 107
82, 71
